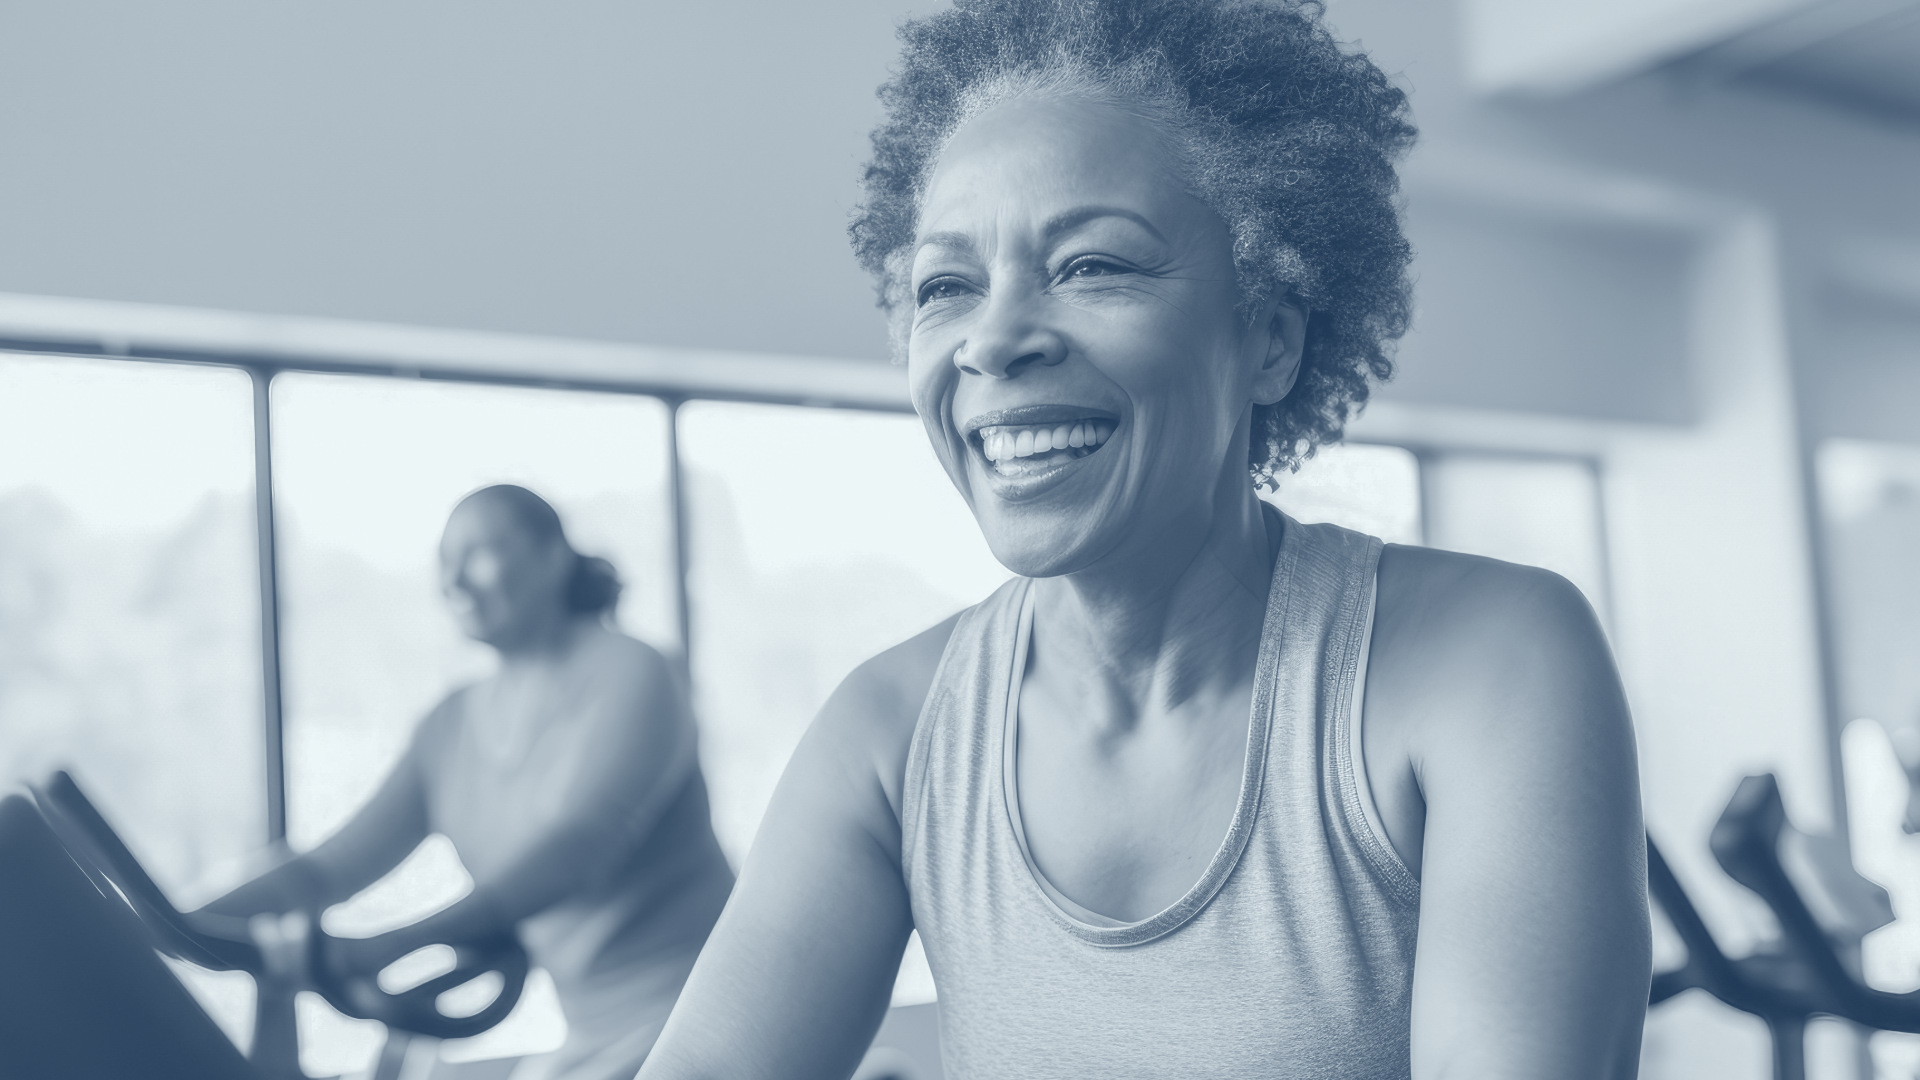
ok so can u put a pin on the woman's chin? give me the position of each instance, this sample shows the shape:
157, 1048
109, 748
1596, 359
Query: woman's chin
1038, 549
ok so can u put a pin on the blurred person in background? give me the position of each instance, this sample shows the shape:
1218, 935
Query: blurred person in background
569, 784
1204, 791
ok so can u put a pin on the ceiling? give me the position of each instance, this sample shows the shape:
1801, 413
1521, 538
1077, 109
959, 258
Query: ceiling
1862, 56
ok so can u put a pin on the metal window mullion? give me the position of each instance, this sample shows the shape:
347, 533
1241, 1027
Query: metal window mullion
271, 699
677, 497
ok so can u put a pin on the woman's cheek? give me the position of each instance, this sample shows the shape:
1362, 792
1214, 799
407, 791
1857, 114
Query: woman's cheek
924, 377
931, 378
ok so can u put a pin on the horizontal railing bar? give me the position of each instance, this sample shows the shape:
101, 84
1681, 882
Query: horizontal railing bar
292, 343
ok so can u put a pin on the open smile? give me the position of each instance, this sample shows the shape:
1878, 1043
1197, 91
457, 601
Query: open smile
1029, 448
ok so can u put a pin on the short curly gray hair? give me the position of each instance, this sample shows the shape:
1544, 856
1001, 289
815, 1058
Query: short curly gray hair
1289, 137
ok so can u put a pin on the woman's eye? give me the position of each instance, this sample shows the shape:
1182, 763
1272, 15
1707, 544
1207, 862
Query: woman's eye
1092, 268
938, 289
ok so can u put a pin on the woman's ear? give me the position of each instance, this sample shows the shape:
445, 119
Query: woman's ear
1280, 333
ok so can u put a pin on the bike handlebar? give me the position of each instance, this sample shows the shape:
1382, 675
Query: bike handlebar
1803, 975
225, 943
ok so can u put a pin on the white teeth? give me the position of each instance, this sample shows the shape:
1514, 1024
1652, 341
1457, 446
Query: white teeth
1001, 444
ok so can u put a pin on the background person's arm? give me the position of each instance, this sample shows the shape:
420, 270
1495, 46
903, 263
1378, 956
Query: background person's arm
636, 750
378, 836
797, 976
1533, 956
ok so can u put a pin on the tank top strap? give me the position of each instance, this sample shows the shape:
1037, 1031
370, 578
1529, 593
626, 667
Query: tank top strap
1323, 636
967, 676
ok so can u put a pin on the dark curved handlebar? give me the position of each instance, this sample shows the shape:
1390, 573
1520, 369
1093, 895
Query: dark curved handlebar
105, 858
417, 1008
224, 943
1803, 975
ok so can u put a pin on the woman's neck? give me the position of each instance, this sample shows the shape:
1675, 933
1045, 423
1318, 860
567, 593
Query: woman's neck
1177, 614
546, 644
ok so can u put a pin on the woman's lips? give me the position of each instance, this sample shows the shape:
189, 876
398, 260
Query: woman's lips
1027, 450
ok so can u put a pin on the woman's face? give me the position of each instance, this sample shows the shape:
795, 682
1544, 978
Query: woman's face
501, 584
1074, 347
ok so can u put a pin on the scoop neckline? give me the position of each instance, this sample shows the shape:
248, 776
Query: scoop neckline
1074, 917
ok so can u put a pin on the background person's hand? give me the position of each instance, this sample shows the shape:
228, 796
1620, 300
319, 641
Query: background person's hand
284, 944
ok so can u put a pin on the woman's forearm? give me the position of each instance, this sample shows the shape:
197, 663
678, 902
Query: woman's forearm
475, 917
496, 906
296, 883
542, 877
371, 843
567, 860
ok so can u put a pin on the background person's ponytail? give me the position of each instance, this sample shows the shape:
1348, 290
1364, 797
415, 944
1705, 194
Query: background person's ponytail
594, 585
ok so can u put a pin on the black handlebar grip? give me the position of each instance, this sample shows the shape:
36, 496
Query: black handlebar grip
208, 943
417, 1009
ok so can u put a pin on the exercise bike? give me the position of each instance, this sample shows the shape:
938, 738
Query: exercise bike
1790, 981
67, 817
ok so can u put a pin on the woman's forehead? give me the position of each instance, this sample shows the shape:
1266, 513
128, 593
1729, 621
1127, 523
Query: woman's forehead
483, 520
1047, 159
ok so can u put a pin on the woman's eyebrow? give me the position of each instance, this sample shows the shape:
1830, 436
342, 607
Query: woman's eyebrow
1068, 220
958, 242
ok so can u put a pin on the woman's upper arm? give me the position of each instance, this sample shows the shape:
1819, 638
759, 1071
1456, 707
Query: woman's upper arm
1533, 953
797, 974
637, 747
632, 751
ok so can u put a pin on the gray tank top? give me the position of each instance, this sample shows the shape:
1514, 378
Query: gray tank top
1291, 956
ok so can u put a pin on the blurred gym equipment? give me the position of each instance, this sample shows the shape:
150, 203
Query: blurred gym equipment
1801, 974
70, 821
84, 995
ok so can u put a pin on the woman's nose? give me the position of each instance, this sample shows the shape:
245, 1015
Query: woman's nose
457, 583
455, 594
1011, 335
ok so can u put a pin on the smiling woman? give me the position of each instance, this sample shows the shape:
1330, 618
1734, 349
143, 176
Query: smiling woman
1204, 790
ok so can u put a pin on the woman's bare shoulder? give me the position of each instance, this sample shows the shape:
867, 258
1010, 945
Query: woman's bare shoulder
613, 649
1469, 638
1428, 593
616, 666
869, 720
